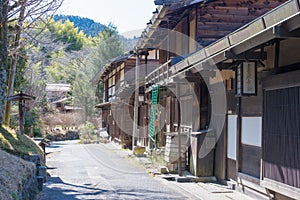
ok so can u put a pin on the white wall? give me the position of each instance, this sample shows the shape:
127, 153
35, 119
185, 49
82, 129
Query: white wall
252, 131
232, 130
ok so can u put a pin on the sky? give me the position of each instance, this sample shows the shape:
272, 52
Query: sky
130, 16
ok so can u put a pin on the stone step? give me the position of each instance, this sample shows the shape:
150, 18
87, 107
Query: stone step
168, 177
183, 179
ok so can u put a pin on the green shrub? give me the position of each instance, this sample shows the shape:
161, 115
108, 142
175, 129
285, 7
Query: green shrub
88, 133
14, 196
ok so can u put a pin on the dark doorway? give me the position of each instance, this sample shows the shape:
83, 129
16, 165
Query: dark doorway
281, 142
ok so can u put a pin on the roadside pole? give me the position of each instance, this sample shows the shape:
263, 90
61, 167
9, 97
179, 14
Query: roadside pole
136, 100
179, 129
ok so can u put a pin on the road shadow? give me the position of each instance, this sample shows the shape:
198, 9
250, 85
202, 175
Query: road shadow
51, 168
53, 146
56, 188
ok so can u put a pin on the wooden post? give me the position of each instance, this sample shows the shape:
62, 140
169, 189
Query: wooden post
21, 97
145, 124
239, 137
277, 54
179, 129
21, 117
146, 65
136, 100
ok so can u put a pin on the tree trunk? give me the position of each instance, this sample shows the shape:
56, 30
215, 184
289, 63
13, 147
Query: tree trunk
3, 54
15, 58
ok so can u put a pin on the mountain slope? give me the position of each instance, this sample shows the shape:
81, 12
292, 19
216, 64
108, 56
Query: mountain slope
88, 26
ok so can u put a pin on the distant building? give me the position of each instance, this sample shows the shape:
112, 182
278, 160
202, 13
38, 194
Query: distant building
58, 91
59, 96
117, 109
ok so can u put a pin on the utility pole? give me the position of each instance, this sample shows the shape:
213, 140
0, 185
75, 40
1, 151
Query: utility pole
136, 100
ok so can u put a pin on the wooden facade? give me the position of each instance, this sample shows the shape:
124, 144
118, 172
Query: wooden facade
258, 146
203, 23
254, 50
194, 27
118, 79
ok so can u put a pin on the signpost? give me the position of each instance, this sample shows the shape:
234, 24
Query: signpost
21, 97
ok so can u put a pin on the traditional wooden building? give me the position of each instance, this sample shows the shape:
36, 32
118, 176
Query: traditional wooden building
59, 97
244, 81
119, 84
57, 91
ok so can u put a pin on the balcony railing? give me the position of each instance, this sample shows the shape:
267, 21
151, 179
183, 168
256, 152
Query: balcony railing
160, 74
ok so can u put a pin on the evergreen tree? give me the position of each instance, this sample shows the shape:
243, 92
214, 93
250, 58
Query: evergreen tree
88, 26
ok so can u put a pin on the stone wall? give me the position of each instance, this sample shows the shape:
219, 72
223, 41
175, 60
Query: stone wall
18, 178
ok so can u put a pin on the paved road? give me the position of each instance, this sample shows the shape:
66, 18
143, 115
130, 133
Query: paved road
100, 171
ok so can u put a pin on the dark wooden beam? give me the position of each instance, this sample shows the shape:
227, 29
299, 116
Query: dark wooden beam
277, 54
225, 17
217, 23
281, 32
284, 69
193, 77
231, 11
254, 56
239, 137
224, 66
179, 80
219, 26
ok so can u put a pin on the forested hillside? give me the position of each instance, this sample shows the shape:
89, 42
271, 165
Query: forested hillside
91, 28
88, 26
63, 49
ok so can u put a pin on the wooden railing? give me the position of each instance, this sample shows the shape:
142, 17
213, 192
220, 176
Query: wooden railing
162, 73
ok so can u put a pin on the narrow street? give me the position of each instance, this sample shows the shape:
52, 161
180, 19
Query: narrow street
100, 171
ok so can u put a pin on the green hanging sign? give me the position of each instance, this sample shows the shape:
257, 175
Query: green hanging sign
153, 111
